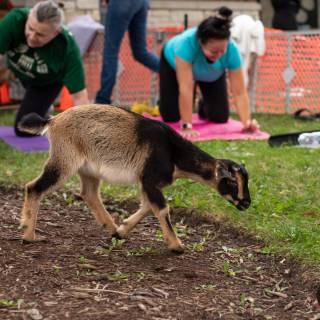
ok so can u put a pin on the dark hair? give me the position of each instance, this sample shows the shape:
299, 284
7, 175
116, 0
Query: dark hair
216, 26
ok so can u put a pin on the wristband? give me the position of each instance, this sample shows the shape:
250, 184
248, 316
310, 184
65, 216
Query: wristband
186, 126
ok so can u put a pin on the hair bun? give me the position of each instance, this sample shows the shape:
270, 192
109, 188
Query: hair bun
60, 5
224, 13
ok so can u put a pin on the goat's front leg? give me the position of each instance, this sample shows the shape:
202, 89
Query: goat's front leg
161, 211
174, 243
90, 194
129, 223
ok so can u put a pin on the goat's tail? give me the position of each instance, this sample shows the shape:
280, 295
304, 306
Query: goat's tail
33, 123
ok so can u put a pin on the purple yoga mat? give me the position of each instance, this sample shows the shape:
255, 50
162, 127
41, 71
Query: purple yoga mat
208, 131
32, 144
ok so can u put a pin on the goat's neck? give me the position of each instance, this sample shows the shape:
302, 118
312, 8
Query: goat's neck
200, 170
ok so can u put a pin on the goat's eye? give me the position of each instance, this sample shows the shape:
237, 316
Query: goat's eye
232, 183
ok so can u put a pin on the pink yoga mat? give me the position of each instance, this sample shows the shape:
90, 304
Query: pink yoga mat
231, 130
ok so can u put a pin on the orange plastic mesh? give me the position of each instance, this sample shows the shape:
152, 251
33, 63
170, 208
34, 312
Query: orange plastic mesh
134, 81
296, 55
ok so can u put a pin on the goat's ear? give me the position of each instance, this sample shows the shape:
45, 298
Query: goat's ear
235, 168
222, 173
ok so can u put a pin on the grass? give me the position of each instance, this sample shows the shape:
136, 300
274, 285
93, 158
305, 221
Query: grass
284, 186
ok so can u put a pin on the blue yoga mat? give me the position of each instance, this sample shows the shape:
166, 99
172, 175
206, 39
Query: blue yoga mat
32, 144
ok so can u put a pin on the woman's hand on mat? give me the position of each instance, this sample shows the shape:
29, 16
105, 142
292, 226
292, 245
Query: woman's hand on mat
189, 133
251, 126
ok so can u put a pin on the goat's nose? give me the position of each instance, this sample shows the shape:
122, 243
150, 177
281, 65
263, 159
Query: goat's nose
246, 203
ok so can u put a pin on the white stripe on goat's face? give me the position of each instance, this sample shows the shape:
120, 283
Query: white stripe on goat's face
233, 184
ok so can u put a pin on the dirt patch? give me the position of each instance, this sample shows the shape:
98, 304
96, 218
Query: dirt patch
79, 273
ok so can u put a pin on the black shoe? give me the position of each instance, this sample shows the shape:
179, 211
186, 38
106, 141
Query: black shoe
306, 114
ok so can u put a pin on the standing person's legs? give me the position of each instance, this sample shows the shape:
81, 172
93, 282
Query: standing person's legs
117, 21
169, 92
138, 38
38, 100
215, 100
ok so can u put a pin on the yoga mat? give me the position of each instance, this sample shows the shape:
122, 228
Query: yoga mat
32, 144
231, 130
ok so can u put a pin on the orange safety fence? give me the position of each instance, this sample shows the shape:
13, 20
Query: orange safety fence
134, 81
288, 55
287, 76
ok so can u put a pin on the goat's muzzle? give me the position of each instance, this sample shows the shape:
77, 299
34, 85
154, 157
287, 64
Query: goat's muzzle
243, 205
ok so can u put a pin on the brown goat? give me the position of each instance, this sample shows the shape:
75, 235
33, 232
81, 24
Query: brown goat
116, 145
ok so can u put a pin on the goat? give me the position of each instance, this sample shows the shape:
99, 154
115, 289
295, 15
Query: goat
119, 146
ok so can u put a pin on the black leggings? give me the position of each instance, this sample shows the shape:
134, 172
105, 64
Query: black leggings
214, 107
38, 100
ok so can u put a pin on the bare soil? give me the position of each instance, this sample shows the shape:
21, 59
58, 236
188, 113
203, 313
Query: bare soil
78, 272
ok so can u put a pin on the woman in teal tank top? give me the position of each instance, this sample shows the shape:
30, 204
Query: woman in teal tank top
203, 54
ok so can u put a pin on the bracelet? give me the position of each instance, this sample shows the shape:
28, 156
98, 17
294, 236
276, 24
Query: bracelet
185, 125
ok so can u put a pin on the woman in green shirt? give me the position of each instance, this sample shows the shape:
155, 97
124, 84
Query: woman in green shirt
43, 55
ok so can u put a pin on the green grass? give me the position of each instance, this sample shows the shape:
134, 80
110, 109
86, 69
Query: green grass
284, 186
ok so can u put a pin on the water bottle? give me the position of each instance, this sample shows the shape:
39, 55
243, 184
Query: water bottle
309, 139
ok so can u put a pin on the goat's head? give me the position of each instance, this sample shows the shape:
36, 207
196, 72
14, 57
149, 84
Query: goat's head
233, 183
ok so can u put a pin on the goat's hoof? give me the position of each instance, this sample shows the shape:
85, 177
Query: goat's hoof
121, 232
28, 240
28, 236
117, 236
24, 241
77, 196
177, 249
34, 240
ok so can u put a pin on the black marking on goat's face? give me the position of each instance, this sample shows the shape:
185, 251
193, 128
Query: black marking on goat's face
233, 184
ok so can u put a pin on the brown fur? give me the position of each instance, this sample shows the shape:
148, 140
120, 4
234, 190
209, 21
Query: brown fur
109, 143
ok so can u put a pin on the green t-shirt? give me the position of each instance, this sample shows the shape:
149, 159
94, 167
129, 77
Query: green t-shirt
59, 59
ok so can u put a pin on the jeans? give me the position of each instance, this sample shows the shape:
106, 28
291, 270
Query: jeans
123, 15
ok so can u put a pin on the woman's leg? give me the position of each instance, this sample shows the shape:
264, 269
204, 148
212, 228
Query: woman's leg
138, 38
169, 92
117, 21
38, 100
215, 105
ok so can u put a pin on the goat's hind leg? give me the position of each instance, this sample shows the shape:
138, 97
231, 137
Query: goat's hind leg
48, 181
90, 194
129, 223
